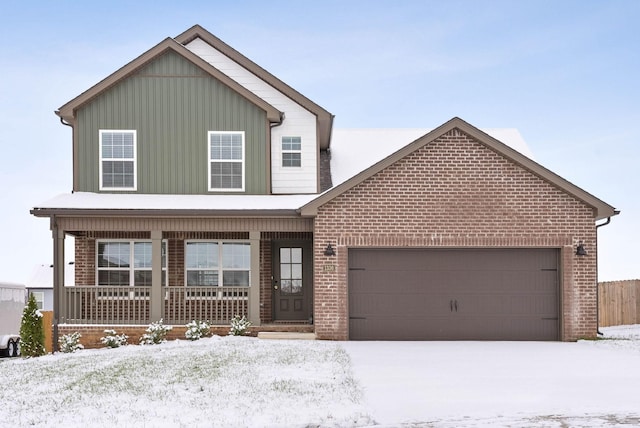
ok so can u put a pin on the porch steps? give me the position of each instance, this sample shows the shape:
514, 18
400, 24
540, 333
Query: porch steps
286, 335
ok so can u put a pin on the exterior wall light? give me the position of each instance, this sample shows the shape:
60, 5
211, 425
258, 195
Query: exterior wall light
329, 251
580, 251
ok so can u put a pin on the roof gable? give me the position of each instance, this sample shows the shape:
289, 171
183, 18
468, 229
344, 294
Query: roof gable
324, 118
68, 110
602, 210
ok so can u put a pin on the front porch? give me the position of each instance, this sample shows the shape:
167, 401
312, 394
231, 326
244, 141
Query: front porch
183, 269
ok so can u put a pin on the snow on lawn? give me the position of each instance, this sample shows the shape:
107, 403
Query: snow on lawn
219, 381
240, 381
499, 384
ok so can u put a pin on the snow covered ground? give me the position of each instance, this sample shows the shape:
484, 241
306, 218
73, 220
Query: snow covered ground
235, 382
500, 384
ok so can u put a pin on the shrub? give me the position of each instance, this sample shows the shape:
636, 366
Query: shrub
155, 333
239, 326
31, 330
197, 330
70, 342
112, 340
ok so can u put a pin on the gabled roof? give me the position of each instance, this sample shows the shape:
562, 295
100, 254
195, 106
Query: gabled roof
324, 118
67, 111
602, 209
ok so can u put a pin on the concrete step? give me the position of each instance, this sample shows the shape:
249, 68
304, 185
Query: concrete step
286, 335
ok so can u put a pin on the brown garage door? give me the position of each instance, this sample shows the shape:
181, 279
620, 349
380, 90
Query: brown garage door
453, 294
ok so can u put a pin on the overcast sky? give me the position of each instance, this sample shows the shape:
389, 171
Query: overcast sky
565, 73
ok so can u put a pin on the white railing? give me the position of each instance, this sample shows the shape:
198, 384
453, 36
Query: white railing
131, 305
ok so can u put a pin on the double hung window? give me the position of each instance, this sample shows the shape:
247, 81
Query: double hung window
117, 160
291, 151
217, 264
127, 263
226, 161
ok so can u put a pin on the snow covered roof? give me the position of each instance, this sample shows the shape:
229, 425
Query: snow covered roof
42, 276
174, 203
354, 150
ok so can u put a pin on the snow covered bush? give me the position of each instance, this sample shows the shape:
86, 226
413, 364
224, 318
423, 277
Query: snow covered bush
70, 342
31, 330
239, 326
197, 330
112, 340
155, 334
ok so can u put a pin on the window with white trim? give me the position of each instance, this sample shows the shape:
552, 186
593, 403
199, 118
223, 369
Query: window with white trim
117, 160
39, 297
127, 263
291, 151
217, 263
226, 161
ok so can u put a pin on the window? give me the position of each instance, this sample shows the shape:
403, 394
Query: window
127, 263
39, 296
117, 160
216, 264
226, 161
291, 151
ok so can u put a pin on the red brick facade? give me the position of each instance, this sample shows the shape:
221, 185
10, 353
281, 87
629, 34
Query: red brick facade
455, 192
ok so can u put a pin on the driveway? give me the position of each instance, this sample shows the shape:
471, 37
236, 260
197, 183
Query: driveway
500, 383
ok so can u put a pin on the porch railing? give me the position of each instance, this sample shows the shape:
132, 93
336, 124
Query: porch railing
132, 305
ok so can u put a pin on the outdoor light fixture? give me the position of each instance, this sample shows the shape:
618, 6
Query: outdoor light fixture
580, 251
329, 251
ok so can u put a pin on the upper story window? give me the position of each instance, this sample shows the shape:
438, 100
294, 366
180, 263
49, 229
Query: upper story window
291, 151
226, 161
117, 160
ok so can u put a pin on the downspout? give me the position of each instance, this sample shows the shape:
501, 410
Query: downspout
270, 149
597, 286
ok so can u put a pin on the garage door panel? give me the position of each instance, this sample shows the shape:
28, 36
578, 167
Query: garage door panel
456, 294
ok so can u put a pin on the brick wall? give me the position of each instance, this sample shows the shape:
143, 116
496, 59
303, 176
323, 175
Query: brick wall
456, 192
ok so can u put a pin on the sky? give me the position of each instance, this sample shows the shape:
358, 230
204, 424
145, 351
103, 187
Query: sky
565, 74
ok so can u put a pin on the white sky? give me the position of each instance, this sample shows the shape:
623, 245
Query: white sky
564, 73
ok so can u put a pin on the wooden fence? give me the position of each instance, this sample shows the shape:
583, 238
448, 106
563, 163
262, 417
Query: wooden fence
619, 303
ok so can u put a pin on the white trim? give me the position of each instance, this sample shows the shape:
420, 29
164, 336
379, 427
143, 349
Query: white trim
134, 159
209, 161
131, 269
292, 151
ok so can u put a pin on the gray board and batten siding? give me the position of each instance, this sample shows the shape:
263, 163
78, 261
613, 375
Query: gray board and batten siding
172, 104
453, 294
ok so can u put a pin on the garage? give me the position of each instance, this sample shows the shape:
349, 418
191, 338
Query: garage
453, 294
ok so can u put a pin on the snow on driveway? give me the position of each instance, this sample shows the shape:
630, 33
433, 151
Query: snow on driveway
588, 383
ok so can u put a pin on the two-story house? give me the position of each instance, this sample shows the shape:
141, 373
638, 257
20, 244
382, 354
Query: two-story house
202, 189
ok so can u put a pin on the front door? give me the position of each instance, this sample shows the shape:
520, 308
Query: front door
292, 280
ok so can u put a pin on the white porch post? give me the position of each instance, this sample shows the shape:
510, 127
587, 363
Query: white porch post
155, 299
254, 290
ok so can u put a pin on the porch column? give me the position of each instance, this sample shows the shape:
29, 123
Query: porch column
155, 299
254, 290
59, 297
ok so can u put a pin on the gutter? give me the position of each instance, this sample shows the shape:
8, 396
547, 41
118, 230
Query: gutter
105, 212
615, 212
